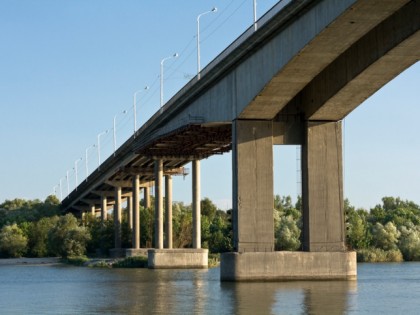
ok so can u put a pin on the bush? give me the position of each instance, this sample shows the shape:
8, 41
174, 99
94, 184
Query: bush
131, 262
373, 255
75, 260
12, 241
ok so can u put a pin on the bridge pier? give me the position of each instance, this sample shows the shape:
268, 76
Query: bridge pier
117, 250
130, 212
168, 211
324, 255
168, 258
146, 194
104, 208
136, 250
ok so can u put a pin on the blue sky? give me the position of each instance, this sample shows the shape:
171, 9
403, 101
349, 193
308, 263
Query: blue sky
68, 67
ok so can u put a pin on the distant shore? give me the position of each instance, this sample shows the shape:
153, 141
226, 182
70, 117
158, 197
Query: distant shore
30, 261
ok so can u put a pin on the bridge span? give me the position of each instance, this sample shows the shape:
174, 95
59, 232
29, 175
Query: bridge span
292, 81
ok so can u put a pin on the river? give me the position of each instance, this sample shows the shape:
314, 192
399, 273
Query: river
60, 289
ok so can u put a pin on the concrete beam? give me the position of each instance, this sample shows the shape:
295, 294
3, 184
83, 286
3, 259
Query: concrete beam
371, 62
150, 172
252, 165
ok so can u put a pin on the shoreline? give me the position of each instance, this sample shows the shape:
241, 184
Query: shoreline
30, 261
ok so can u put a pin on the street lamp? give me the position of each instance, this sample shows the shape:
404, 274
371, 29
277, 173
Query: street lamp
198, 39
135, 105
161, 76
86, 159
115, 132
75, 170
99, 146
61, 189
255, 15
68, 186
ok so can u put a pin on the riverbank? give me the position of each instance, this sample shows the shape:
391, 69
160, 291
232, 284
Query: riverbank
30, 261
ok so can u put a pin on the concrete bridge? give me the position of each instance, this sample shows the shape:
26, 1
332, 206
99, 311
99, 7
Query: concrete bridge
292, 81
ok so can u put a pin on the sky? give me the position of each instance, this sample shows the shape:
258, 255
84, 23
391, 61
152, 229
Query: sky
68, 68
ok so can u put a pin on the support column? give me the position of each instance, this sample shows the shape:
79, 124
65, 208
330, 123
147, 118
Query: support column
92, 209
158, 204
146, 193
117, 218
322, 188
104, 208
130, 212
196, 204
136, 212
168, 212
252, 175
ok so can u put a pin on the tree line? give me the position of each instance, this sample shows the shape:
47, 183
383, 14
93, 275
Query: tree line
388, 232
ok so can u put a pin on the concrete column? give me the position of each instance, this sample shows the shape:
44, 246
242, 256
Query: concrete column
146, 197
252, 177
196, 204
158, 204
92, 209
168, 212
322, 188
136, 212
130, 212
117, 218
104, 208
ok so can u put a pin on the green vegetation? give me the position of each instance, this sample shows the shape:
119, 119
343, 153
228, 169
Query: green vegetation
131, 262
388, 232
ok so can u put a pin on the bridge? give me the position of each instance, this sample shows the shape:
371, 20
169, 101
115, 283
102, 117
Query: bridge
290, 81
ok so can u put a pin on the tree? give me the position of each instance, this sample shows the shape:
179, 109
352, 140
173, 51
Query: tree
67, 238
409, 243
208, 208
12, 241
287, 234
385, 236
358, 235
38, 245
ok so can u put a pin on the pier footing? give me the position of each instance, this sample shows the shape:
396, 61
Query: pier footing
134, 252
278, 266
180, 258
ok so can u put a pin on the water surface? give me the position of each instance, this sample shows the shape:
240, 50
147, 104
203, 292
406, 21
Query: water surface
59, 289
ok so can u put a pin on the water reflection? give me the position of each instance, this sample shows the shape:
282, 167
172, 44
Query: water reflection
45, 290
315, 297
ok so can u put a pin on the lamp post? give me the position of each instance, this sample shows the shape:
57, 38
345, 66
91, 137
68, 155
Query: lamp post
99, 146
198, 39
61, 189
255, 15
75, 170
86, 159
68, 186
115, 132
135, 106
161, 76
